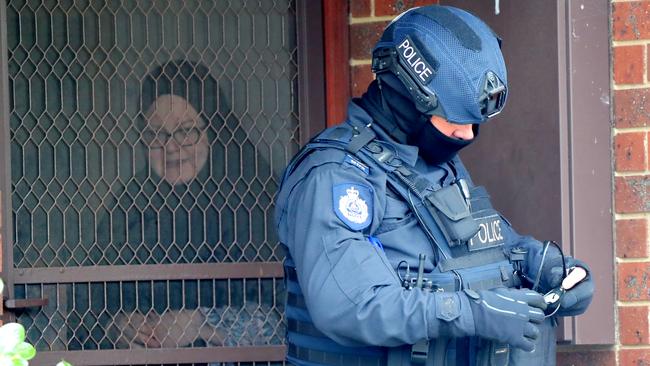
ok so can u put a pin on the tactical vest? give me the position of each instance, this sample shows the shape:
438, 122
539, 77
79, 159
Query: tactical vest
455, 218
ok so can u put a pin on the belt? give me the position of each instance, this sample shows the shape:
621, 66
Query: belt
334, 359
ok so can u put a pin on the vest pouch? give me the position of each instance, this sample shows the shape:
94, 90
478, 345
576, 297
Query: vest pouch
437, 355
452, 213
492, 353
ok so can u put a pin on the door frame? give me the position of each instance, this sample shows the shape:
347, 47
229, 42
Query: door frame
311, 109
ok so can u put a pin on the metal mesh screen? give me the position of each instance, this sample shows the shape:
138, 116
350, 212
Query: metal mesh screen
224, 364
78, 160
199, 313
150, 132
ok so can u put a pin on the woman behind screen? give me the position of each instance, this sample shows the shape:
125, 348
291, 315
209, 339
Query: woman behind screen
182, 208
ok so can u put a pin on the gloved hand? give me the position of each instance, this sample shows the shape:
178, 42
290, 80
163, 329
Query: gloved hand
576, 300
550, 275
573, 302
507, 315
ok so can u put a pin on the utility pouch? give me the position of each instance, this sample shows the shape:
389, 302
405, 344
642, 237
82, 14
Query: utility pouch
450, 207
493, 354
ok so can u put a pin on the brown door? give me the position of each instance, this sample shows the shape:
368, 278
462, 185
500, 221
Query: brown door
144, 143
546, 158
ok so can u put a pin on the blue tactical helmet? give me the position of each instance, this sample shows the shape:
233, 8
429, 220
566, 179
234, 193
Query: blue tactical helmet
449, 61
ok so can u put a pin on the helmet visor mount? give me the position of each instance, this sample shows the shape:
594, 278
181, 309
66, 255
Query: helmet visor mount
493, 97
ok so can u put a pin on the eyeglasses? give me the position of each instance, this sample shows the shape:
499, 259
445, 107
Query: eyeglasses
182, 136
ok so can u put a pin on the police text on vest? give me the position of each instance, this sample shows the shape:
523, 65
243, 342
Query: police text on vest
489, 233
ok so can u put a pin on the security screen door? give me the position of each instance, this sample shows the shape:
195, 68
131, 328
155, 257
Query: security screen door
147, 141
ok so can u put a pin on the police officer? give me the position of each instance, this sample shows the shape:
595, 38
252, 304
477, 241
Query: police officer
394, 256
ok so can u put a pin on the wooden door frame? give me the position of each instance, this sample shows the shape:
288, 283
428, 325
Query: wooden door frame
311, 104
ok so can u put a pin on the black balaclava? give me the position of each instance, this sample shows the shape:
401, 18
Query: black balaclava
390, 106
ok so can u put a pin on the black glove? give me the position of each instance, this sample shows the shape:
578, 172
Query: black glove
507, 315
550, 275
576, 300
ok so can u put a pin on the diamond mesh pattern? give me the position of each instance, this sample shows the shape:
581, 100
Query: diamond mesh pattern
155, 314
81, 176
87, 189
229, 364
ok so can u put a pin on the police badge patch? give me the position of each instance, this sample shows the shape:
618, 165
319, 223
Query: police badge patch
353, 204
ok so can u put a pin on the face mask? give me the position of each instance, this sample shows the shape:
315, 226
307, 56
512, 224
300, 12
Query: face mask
435, 147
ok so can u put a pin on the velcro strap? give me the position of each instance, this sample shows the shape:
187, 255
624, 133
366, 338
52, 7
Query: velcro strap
300, 327
478, 191
334, 359
296, 300
481, 258
290, 274
415, 182
360, 140
480, 204
486, 284
479, 199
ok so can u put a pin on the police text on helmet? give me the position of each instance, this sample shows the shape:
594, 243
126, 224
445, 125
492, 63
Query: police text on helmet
411, 55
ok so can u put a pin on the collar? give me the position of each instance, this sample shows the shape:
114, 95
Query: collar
359, 118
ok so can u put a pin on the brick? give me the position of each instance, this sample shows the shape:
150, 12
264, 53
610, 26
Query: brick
647, 69
631, 20
359, 8
632, 108
363, 38
574, 357
628, 64
633, 357
631, 194
632, 238
629, 151
394, 7
361, 77
633, 281
633, 325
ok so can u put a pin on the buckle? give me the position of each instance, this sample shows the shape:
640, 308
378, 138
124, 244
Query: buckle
383, 59
420, 352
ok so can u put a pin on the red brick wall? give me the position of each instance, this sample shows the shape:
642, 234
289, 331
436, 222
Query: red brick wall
631, 112
368, 18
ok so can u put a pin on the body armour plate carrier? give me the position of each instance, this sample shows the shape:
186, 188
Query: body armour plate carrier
466, 232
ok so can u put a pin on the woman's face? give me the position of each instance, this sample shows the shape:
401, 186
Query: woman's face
175, 135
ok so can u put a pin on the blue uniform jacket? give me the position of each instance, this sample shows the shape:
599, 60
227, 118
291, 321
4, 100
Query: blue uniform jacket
350, 284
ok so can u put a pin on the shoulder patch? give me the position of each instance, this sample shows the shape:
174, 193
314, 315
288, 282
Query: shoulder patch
352, 203
353, 162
